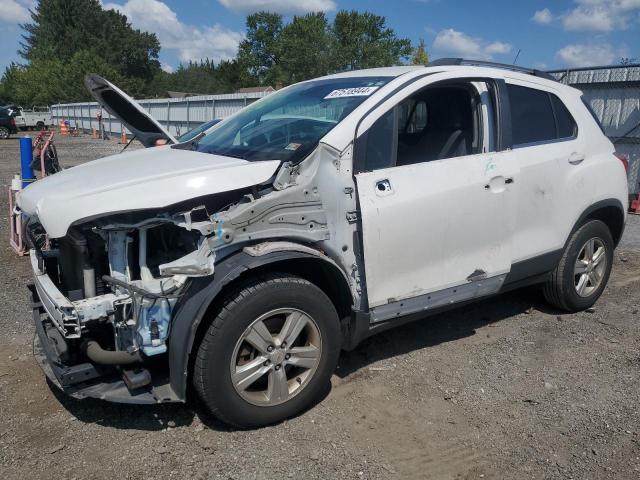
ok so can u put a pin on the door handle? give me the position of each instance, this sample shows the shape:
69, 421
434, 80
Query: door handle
497, 184
576, 158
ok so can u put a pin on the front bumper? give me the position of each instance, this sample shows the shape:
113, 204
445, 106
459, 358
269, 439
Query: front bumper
87, 380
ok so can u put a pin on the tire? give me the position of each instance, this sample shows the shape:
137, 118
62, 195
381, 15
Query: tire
225, 353
568, 289
4, 133
39, 126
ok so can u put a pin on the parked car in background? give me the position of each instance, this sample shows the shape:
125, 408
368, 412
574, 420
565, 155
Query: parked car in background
242, 262
37, 118
7, 123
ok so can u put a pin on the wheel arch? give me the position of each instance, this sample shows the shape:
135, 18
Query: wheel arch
610, 212
204, 295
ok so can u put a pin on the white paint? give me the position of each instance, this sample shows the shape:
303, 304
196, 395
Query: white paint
148, 178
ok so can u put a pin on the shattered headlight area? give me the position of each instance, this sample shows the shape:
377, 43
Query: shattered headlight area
108, 289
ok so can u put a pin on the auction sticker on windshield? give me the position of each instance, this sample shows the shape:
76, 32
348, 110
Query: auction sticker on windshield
351, 92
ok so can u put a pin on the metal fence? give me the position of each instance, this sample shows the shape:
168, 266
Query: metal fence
178, 115
614, 95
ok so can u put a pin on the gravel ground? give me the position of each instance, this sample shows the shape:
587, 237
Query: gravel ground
506, 388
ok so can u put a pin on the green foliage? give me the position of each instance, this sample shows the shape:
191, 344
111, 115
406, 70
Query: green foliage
60, 28
362, 40
309, 46
66, 39
202, 77
420, 55
259, 53
305, 43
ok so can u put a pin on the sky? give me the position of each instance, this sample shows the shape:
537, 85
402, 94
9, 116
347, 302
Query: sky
547, 34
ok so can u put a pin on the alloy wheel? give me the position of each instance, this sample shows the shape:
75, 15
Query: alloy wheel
590, 267
276, 357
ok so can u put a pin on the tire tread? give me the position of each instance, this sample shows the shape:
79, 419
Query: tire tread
230, 302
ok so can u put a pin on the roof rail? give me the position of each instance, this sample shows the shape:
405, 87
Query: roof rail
482, 63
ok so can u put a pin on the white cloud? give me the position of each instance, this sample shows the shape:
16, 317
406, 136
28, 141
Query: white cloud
280, 6
166, 67
15, 11
497, 48
582, 55
191, 42
452, 42
601, 15
543, 17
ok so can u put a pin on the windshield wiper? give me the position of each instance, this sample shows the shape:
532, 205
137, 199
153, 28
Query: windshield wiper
190, 144
233, 155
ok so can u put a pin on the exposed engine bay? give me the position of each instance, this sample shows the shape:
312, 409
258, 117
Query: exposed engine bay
113, 286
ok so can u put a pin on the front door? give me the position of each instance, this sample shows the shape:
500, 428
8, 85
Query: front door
435, 230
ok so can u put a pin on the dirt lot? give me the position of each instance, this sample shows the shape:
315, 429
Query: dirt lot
503, 389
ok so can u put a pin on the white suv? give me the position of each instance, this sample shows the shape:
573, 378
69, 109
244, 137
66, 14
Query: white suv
243, 261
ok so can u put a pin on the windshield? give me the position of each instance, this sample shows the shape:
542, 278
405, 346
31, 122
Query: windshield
197, 131
288, 125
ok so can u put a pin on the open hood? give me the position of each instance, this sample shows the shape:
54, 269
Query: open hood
145, 128
142, 179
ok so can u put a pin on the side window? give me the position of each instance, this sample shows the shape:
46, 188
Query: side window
567, 127
433, 124
531, 115
538, 116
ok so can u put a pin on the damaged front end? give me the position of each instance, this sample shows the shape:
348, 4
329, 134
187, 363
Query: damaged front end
103, 299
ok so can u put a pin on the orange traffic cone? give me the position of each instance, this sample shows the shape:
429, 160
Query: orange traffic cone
123, 137
64, 129
94, 134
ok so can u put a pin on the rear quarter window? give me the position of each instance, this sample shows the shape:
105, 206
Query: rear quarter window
593, 113
567, 127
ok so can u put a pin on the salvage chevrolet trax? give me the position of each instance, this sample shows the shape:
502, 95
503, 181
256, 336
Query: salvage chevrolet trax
237, 265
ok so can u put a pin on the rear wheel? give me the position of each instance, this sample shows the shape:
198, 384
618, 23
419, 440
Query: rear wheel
582, 274
269, 352
40, 126
4, 133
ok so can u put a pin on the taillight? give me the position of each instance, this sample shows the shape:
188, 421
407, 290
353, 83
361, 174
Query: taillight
13, 121
624, 161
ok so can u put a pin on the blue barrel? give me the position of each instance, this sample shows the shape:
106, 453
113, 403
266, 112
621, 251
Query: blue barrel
26, 158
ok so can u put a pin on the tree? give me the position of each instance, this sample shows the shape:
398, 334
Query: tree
66, 39
259, 53
48, 80
9, 83
309, 46
420, 55
304, 48
60, 28
203, 77
362, 40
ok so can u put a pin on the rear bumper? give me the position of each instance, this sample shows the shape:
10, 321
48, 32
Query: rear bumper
87, 380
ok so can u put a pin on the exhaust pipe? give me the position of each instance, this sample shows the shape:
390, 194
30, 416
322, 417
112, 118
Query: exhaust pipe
97, 354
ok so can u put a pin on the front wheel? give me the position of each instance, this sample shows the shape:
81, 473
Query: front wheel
269, 352
4, 133
582, 274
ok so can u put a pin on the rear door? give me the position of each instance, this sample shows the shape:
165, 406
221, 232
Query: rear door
545, 149
436, 230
